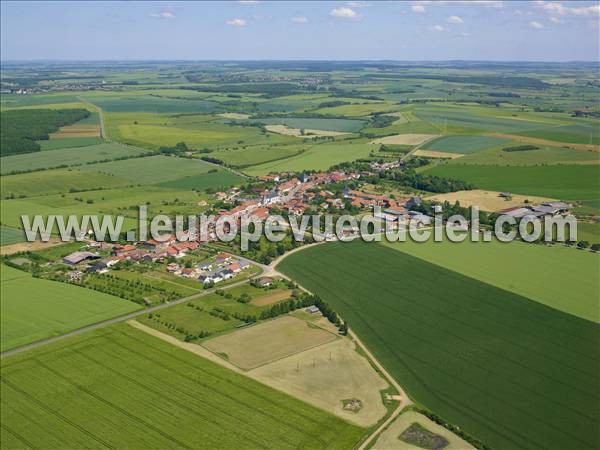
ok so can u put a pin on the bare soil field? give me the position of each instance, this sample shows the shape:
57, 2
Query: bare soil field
326, 375
237, 116
531, 140
434, 154
29, 246
404, 139
271, 298
487, 200
390, 438
73, 131
308, 133
269, 341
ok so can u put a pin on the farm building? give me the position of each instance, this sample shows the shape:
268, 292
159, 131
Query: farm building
77, 257
265, 282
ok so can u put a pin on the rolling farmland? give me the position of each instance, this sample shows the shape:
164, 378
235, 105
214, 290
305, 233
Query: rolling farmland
509, 371
150, 394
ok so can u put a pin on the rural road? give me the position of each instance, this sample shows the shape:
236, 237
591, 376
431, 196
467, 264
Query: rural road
100, 115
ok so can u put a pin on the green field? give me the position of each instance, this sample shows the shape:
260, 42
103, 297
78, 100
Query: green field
525, 269
463, 144
10, 235
152, 104
213, 180
34, 309
120, 388
151, 170
509, 371
567, 182
67, 157
543, 155
56, 181
315, 157
257, 154
57, 144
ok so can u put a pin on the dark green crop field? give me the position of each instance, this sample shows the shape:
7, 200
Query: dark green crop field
511, 372
120, 388
567, 182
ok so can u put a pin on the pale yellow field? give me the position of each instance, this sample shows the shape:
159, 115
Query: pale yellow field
390, 438
434, 154
326, 375
72, 131
269, 341
487, 200
271, 298
404, 139
238, 116
308, 133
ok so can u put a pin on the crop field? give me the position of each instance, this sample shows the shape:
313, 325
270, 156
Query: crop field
269, 341
303, 133
67, 156
58, 144
151, 394
197, 131
390, 438
525, 269
316, 157
10, 235
152, 104
55, 181
509, 371
342, 125
34, 309
257, 154
487, 200
404, 139
464, 144
543, 155
151, 170
565, 182
325, 376
214, 180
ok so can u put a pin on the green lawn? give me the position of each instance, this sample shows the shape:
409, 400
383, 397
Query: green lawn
121, 388
464, 144
567, 182
509, 371
34, 309
526, 269
10, 235
57, 144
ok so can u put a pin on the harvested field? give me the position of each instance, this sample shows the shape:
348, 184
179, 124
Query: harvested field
308, 133
268, 342
390, 438
404, 139
236, 116
487, 200
77, 131
11, 249
434, 154
325, 375
271, 298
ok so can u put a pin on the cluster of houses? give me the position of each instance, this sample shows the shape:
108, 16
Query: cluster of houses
223, 268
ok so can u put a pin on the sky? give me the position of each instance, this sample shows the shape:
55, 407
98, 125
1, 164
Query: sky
353, 30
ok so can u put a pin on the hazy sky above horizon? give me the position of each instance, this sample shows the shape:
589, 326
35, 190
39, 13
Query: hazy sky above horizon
411, 30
